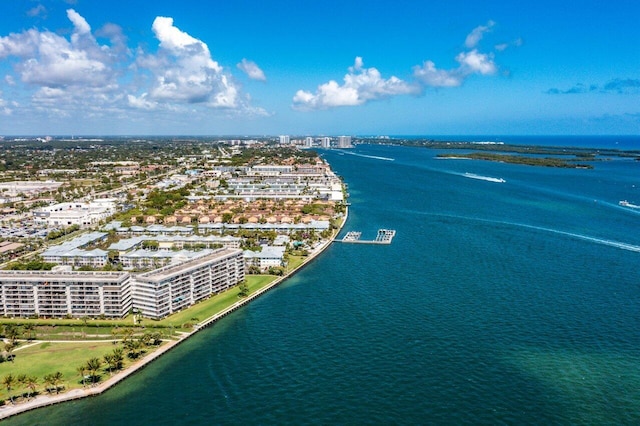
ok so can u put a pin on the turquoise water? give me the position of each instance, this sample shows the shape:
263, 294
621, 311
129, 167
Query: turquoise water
497, 303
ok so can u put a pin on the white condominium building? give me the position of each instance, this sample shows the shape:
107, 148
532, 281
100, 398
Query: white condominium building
60, 294
167, 290
284, 139
344, 142
268, 256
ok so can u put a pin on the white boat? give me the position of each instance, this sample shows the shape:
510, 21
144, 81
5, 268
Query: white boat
625, 203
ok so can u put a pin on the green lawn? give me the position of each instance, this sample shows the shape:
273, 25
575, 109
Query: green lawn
78, 332
294, 262
213, 305
74, 323
46, 358
49, 357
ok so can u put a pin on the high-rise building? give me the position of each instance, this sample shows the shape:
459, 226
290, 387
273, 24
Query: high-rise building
284, 140
308, 142
344, 142
325, 142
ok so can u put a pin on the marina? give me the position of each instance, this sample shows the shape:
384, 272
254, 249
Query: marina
385, 236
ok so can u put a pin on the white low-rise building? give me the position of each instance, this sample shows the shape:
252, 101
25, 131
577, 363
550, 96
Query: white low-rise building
81, 214
27, 188
171, 242
71, 252
268, 257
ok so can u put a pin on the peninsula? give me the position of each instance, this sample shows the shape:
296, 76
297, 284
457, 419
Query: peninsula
521, 159
122, 260
532, 155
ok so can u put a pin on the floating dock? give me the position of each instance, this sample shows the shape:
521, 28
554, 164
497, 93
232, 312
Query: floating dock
385, 236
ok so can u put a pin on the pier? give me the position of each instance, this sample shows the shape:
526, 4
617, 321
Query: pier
385, 236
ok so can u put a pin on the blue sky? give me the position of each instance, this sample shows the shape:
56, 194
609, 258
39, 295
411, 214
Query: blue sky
248, 67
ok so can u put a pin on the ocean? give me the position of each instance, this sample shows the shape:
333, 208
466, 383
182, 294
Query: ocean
514, 302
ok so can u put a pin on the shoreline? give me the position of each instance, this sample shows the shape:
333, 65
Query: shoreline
41, 401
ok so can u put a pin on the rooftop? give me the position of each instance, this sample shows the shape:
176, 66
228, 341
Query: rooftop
161, 274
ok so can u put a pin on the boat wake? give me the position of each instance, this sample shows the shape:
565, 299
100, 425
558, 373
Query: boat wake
485, 178
375, 157
611, 243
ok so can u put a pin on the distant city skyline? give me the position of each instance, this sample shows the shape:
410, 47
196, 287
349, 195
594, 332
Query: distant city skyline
79, 67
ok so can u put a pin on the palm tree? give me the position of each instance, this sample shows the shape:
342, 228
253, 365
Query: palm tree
145, 339
28, 382
127, 334
9, 381
56, 380
118, 357
115, 335
12, 332
30, 330
21, 379
82, 369
93, 365
31, 382
156, 338
133, 348
9, 347
47, 380
110, 360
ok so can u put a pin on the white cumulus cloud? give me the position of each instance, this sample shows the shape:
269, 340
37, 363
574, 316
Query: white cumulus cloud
470, 62
431, 76
252, 70
50, 60
87, 73
81, 26
141, 102
185, 72
365, 84
360, 85
474, 62
474, 37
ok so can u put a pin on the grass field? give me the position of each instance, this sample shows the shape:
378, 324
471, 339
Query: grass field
47, 358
